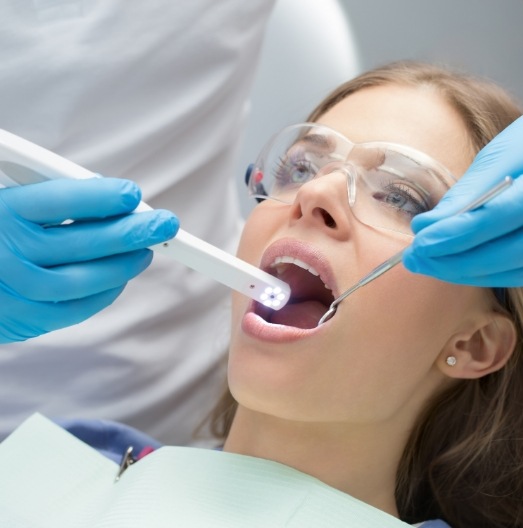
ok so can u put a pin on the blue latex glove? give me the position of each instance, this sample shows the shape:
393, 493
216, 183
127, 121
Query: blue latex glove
53, 276
482, 247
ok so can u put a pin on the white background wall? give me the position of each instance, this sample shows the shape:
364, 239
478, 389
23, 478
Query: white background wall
482, 36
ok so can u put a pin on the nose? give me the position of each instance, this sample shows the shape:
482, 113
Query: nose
322, 203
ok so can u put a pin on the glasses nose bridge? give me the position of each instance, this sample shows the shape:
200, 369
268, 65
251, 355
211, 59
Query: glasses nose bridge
349, 169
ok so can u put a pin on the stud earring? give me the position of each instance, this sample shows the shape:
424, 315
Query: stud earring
451, 361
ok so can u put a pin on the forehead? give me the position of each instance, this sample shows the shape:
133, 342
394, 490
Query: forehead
418, 117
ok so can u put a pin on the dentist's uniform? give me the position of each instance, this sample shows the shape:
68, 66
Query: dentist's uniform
154, 92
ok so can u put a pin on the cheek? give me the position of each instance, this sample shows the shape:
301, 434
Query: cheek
398, 305
404, 321
408, 304
256, 233
392, 334
250, 247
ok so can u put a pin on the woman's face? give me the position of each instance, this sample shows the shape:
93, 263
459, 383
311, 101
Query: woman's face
382, 355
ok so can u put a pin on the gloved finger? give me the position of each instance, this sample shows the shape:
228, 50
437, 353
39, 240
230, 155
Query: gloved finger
457, 234
498, 263
81, 241
74, 281
26, 319
499, 158
54, 201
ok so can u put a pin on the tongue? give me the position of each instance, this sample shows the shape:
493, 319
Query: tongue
300, 315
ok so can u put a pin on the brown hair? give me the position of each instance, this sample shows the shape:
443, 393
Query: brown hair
463, 462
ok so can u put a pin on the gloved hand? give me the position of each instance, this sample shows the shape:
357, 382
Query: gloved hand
483, 247
52, 275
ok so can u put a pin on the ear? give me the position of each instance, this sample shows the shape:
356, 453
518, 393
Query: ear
484, 349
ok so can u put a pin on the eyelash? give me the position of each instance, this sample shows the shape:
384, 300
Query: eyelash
284, 164
407, 192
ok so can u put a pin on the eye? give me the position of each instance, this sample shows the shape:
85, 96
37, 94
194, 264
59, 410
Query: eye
293, 170
404, 198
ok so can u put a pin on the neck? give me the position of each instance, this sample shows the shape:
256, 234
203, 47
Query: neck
361, 462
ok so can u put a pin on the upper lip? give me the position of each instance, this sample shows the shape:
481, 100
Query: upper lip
289, 247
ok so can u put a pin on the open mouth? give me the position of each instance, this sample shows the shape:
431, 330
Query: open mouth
310, 296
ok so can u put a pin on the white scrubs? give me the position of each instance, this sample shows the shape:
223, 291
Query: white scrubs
155, 92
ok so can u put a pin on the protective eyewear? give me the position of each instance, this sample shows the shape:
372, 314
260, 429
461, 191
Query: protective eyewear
387, 184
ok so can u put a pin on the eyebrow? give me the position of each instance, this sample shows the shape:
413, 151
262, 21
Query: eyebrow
318, 140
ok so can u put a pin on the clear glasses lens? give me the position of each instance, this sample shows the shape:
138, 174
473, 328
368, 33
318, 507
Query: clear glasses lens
387, 184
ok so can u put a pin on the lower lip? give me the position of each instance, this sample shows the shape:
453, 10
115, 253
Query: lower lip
254, 326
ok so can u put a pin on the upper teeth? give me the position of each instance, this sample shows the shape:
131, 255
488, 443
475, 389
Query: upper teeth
297, 262
278, 261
